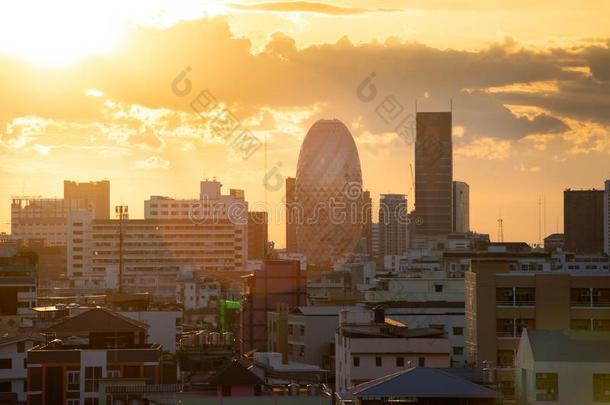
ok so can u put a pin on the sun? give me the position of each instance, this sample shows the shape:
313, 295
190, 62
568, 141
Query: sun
61, 32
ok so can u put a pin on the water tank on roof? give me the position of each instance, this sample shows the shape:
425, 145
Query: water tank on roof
227, 339
214, 339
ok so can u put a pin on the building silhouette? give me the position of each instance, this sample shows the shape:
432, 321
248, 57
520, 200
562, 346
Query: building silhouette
95, 192
433, 174
583, 216
461, 207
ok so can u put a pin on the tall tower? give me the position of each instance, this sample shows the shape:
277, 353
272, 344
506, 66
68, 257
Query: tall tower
329, 193
433, 174
461, 207
393, 231
292, 215
583, 213
607, 218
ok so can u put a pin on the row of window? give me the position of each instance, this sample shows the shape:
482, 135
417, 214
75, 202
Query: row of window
400, 361
547, 387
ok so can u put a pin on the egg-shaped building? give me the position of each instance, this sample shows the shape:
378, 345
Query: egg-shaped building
328, 193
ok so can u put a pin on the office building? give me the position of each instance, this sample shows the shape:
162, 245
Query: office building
292, 215
433, 174
279, 282
329, 193
95, 192
393, 231
209, 234
461, 207
257, 235
583, 221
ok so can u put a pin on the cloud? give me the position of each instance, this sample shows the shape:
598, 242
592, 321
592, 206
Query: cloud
485, 148
152, 163
305, 6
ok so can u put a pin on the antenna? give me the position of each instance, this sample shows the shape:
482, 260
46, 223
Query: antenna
539, 220
451, 104
500, 228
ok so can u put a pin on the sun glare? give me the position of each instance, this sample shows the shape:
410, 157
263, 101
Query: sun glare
59, 33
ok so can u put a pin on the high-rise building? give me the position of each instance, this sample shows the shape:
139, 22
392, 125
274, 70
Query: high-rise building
461, 207
607, 218
257, 235
583, 216
433, 174
367, 229
329, 193
393, 230
95, 192
291, 215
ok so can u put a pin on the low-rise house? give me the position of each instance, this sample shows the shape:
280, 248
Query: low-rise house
563, 367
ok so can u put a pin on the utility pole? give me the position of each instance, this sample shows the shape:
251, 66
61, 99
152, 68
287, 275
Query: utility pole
121, 212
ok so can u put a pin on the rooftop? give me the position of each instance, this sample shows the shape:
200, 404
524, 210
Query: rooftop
569, 346
419, 382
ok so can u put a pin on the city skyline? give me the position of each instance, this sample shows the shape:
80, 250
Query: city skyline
520, 104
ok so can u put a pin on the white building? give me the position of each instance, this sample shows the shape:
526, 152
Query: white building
163, 326
366, 350
198, 293
563, 368
418, 286
44, 218
607, 218
13, 373
210, 235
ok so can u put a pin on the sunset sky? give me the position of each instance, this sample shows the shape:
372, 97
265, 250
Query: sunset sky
86, 94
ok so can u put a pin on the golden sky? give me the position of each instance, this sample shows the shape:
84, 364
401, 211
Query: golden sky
86, 94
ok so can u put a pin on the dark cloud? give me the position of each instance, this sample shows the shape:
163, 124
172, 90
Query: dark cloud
285, 76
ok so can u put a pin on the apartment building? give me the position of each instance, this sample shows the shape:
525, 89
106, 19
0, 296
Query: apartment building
17, 291
368, 348
13, 371
83, 350
505, 296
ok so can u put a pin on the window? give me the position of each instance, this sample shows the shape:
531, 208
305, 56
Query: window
72, 401
73, 381
438, 288
92, 401
458, 350
601, 387
5, 386
421, 362
580, 324
92, 377
458, 331
378, 361
400, 361
301, 330
356, 361
6, 363
20, 347
547, 387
